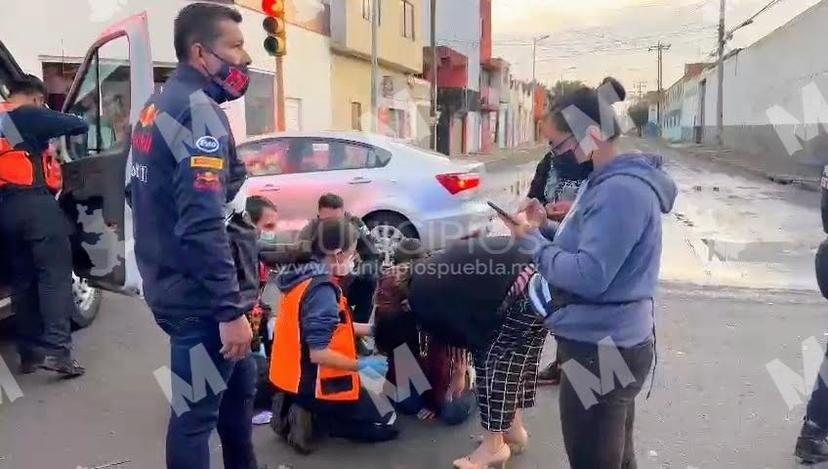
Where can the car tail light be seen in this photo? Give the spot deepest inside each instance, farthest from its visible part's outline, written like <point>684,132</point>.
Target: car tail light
<point>459,182</point>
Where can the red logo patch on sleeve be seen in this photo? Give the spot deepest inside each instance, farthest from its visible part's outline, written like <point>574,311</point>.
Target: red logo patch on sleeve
<point>207,181</point>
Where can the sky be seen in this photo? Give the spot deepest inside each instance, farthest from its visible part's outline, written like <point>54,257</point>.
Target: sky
<point>591,39</point>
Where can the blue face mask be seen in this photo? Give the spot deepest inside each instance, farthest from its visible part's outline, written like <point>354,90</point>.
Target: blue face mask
<point>228,83</point>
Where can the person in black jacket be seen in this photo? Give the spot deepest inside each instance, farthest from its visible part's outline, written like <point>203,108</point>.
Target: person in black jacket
<point>199,265</point>
<point>557,179</point>
<point>34,229</point>
<point>812,444</point>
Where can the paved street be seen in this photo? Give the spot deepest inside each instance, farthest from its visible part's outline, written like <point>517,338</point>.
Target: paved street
<point>738,293</point>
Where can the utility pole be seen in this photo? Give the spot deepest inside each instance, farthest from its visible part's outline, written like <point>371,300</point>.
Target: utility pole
<point>375,9</point>
<point>434,75</point>
<point>720,70</point>
<point>660,48</point>
<point>640,86</point>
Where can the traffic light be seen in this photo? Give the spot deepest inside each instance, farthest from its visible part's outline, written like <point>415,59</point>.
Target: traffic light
<point>274,25</point>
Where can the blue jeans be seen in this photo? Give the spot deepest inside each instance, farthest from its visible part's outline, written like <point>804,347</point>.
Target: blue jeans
<point>199,406</point>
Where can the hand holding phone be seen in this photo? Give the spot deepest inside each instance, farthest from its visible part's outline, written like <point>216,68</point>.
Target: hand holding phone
<point>506,216</point>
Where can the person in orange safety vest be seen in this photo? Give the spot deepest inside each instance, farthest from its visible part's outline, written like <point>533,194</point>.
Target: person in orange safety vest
<point>314,360</point>
<point>34,230</point>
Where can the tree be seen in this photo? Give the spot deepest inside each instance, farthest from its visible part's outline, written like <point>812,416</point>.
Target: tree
<point>568,87</point>
<point>640,114</point>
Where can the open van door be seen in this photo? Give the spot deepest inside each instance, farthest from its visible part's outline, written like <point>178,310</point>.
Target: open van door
<point>109,91</point>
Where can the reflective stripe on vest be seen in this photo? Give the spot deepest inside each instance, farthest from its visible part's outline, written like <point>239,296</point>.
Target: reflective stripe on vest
<point>286,359</point>
<point>17,167</point>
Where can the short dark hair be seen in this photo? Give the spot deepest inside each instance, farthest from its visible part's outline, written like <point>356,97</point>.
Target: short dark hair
<point>332,236</point>
<point>331,201</point>
<point>198,22</point>
<point>256,205</point>
<point>29,85</point>
<point>595,103</point>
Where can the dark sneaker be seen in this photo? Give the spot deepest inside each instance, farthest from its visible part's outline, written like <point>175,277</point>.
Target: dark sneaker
<point>300,435</point>
<point>551,375</point>
<point>29,362</point>
<point>67,367</point>
<point>29,366</point>
<point>811,446</point>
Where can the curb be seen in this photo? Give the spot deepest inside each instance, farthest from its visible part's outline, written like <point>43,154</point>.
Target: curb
<point>812,185</point>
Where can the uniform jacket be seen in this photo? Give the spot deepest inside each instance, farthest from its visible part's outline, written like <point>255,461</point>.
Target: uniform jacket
<point>184,171</point>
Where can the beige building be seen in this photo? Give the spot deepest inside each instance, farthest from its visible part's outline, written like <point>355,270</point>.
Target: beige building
<point>404,98</point>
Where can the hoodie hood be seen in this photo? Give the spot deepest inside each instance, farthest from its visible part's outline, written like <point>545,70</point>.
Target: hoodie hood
<point>647,168</point>
<point>295,274</point>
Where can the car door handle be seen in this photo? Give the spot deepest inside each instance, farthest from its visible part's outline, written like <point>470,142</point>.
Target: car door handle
<point>270,188</point>
<point>359,180</point>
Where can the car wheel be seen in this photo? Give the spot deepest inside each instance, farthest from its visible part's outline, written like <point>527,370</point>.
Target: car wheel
<point>389,229</point>
<point>87,302</point>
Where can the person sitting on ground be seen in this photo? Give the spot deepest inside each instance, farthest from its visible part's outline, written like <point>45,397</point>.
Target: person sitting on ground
<point>359,286</point>
<point>445,368</point>
<point>487,312</point>
<point>317,369</point>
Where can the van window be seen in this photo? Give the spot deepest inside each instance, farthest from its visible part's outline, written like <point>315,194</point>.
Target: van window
<point>103,101</point>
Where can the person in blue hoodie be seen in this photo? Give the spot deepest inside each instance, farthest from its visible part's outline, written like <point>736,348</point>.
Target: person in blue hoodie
<point>597,278</point>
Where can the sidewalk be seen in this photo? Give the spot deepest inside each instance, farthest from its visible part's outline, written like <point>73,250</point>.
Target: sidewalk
<point>747,162</point>
<point>524,153</point>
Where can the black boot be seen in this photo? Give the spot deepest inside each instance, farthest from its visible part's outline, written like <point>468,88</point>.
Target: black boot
<point>811,446</point>
<point>300,432</point>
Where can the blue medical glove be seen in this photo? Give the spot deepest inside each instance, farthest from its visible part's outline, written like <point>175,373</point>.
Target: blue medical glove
<point>375,366</point>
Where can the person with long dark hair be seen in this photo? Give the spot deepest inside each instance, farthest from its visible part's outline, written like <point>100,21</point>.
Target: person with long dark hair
<point>473,296</point>
<point>597,278</point>
<point>555,184</point>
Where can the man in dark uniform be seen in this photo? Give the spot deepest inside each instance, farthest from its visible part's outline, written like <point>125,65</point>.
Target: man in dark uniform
<point>184,173</point>
<point>812,444</point>
<point>34,230</point>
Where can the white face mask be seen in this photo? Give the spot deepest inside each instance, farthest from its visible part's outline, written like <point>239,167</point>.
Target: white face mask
<point>268,236</point>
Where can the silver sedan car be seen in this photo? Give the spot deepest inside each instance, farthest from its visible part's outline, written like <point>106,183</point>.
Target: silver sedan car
<point>398,190</point>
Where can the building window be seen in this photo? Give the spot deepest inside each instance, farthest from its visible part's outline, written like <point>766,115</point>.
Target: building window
<point>366,10</point>
<point>408,19</point>
<point>356,115</point>
<point>259,104</point>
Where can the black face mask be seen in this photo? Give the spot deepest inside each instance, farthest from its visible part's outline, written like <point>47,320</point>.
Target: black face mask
<point>567,166</point>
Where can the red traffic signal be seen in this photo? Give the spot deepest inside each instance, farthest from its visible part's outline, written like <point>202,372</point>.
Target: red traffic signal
<point>273,7</point>
<point>274,25</point>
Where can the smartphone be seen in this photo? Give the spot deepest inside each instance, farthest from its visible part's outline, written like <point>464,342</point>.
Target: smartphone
<point>503,213</point>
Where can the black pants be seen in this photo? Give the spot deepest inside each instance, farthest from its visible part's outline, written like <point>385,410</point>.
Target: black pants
<point>361,420</point>
<point>35,237</point>
<point>597,418</point>
<point>817,411</point>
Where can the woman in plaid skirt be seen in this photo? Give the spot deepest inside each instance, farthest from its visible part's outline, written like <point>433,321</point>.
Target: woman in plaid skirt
<point>473,296</point>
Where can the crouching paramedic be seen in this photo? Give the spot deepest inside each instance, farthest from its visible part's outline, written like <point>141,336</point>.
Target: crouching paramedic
<point>34,230</point>
<point>314,353</point>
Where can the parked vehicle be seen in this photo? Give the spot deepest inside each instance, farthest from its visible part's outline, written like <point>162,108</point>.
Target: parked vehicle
<point>398,190</point>
<point>113,82</point>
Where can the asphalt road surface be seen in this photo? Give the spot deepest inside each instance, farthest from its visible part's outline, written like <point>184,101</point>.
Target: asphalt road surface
<point>738,295</point>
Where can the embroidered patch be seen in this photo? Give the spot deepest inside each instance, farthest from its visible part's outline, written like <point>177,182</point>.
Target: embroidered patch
<point>207,144</point>
<point>207,181</point>
<point>148,115</point>
<point>207,162</point>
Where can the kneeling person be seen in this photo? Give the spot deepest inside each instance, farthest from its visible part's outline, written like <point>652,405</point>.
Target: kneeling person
<point>315,361</point>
